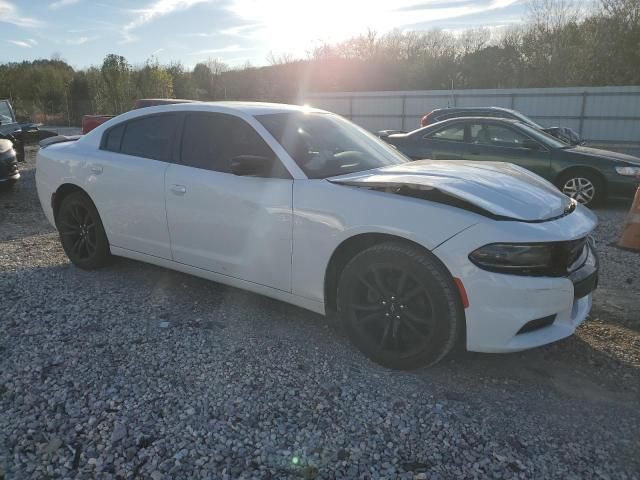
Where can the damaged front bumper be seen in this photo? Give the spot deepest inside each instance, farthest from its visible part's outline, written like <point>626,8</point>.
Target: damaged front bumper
<point>509,313</point>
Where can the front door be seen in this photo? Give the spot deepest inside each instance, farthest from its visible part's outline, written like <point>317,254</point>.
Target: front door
<point>234,225</point>
<point>500,143</point>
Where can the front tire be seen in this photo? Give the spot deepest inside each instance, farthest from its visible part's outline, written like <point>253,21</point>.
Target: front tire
<point>583,186</point>
<point>399,306</point>
<point>81,232</point>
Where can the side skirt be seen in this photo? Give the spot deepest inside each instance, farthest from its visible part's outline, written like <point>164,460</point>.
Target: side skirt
<point>302,302</point>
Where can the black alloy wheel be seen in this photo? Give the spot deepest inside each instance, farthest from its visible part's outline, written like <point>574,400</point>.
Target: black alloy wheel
<point>400,306</point>
<point>81,232</point>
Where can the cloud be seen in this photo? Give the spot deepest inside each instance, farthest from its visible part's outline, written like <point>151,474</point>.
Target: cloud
<point>157,9</point>
<point>29,43</point>
<point>240,30</point>
<point>9,14</point>
<point>310,22</point>
<point>80,40</point>
<point>62,3</point>
<point>227,49</point>
<point>435,4</point>
<point>197,35</point>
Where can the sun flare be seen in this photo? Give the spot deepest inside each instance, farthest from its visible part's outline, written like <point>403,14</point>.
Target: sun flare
<point>297,25</point>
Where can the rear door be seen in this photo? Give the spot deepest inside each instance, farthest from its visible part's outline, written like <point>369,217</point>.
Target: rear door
<point>446,143</point>
<point>240,226</point>
<point>126,182</point>
<point>504,143</point>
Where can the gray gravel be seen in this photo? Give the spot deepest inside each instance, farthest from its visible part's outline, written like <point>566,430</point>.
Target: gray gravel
<point>134,371</point>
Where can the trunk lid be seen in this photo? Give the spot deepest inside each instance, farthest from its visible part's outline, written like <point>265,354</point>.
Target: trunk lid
<point>58,139</point>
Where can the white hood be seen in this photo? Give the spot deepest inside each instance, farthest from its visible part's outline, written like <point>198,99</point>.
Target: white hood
<point>502,189</point>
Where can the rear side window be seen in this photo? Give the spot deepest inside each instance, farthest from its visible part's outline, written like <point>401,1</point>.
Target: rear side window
<point>150,137</point>
<point>113,139</point>
<point>496,135</point>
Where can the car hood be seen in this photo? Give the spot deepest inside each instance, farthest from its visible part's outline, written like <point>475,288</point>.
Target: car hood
<point>501,189</point>
<point>603,154</point>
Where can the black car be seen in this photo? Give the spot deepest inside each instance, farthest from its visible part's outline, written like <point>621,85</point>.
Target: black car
<point>19,134</point>
<point>585,174</point>
<point>565,134</point>
<point>9,174</point>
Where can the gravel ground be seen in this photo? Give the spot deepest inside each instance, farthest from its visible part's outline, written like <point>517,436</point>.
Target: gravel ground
<point>134,371</point>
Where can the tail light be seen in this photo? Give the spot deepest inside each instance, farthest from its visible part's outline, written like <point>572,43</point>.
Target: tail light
<point>425,120</point>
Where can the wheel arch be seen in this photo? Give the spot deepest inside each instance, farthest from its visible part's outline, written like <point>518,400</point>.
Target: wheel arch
<point>583,168</point>
<point>349,248</point>
<point>61,193</point>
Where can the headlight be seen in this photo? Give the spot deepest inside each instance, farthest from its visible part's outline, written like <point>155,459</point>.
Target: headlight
<point>515,258</point>
<point>552,259</point>
<point>629,171</point>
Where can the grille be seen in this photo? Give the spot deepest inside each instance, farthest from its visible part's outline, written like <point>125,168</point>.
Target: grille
<point>574,250</point>
<point>537,324</point>
<point>567,254</point>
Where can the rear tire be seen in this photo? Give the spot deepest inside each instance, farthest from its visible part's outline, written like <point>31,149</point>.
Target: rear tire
<point>583,186</point>
<point>81,232</point>
<point>399,306</point>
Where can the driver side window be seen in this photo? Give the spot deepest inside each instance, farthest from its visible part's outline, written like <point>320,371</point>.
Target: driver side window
<point>211,141</point>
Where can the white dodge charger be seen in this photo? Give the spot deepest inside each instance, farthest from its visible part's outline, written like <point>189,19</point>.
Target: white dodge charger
<point>303,206</point>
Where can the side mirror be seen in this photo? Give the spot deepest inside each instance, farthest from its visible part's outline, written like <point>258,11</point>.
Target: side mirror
<point>251,166</point>
<point>530,144</point>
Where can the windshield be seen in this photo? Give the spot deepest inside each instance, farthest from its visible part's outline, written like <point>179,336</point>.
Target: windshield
<point>6,115</point>
<point>549,140</point>
<point>325,145</point>
<point>525,119</point>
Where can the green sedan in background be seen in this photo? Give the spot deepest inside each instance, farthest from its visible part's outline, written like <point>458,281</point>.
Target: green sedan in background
<point>586,174</point>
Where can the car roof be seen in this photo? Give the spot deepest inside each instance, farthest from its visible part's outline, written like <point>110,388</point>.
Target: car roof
<point>475,119</point>
<point>250,108</point>
<point>474,109</point>
<point>442,123</point>
<point>241,109</point>
<point>152,102</point>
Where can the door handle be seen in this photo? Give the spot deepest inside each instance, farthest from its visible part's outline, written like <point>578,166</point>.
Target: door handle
<point>475,152</point>
<point>178,189</point>
<point>97,169</point>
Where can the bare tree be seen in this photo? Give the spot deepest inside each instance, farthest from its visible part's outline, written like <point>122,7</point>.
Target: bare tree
<point>364,46</point>
<point>280,59</point>
<point>627,11</point>
<point>552,15</point>
<point>216,66</point>
<point>474,40</point>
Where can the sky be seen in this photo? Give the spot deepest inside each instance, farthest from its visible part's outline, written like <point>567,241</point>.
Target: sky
<point>82,32</point>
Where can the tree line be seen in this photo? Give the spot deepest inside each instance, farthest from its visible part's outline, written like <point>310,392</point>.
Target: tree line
<point>561,43</point>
